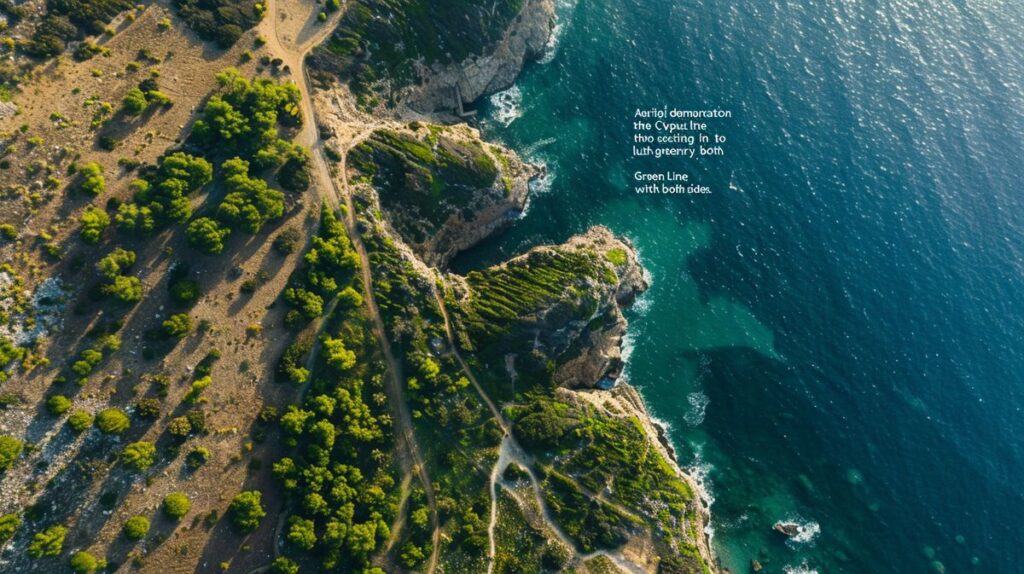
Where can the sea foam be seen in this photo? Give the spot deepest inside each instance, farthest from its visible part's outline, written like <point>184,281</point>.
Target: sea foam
<point>508,105</point>
<point>563,16</point>
<point>698,406</point>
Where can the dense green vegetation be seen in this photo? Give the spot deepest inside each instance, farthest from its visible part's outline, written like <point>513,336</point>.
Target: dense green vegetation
<point>249,202</point>
<point>584,451</point>
<point>207,235</point>
<point>241,123</point>
<point>221,21</point>
<point>161,194</point>
<point>458,432</point>
<point>328,269</point>
<point>67,20</point>
<point>424,177</point>
<point>247,511</point>
<point>340,473</point>
<point>244,119</point>
<point>383,38</point>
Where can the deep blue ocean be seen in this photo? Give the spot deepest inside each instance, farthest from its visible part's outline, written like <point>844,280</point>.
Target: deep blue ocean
<point>836,334</point>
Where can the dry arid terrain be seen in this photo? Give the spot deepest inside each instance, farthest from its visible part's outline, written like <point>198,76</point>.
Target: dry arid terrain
<point>229,339</point>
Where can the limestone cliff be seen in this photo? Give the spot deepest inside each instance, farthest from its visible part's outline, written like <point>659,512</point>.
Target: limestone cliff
<point>599,343</point>
<point>434,56</point>
<point>442,85</point>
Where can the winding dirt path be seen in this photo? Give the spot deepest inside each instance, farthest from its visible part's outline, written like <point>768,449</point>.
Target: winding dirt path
<point>510,451</point>
<point>294,56</point>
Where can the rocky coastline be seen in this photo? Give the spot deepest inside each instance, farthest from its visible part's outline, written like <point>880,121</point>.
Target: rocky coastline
<point>448,87</point>
<point>593,374</point>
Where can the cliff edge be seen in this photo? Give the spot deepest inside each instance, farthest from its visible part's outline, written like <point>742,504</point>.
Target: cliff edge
<point>431,57</point>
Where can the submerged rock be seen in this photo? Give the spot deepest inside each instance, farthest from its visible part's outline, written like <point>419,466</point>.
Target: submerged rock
<point>787,529</point>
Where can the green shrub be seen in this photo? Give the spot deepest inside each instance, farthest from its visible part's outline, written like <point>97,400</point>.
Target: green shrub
<point>197,457</point>
<point>411,555</point>
<point>337,355</point>
<point>112,421</point>
<point>10,450</point>
<point>134,102</point>
<point>115,263</point>
<point>179,427</point>
<point>184,291</point>
<point>136,527</point>
<point>49,542</point>
<point>92,178</point>
<point>176,505</point>
<point>287,241</point>
<point>349,298</point>
<point>198,386</point>
<point>177,326</point>
<point>139,455</point>
<point>294,174</point>
<point>58,405</point>
<point>309,303</point>
<point>282,565</point>
<point>207,235</point>
<point>301,532</point>
<point>94,222</point>
<point>147,408</point>
<point>85,563</point>
<point>247,510</point>
<point>9,524</point>
<point>126,289</point>
<point>79,421</point>
<point>158,98</point>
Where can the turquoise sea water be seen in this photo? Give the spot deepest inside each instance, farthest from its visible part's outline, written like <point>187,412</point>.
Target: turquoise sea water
<point>836,334</point>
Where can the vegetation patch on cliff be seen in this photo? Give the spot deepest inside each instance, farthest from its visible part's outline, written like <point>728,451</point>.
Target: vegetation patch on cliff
<point>538,282</point>
<point>424,175</point>
<point>380,39</point>
<point>603,478</point>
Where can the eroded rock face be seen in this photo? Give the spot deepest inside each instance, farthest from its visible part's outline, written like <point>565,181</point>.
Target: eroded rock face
<point>599,359</point>
<point>494,209</point>
<point>477,76</point>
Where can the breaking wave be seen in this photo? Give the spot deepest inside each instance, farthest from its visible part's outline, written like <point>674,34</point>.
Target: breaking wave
<point>508,105</point>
